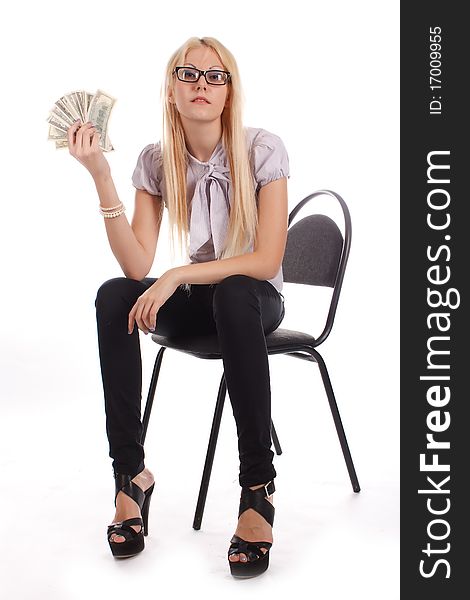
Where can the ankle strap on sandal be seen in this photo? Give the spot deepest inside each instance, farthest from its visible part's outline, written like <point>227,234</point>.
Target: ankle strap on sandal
<point>256,499</point>
<point>266,490</point>
<point>125,484</point>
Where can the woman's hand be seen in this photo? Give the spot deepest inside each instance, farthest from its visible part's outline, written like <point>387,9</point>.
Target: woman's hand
<point>83,145</point>
<point>144,311</point>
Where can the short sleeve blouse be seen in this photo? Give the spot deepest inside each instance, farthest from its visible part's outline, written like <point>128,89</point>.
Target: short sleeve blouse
<point>268,157</point>
<point>208,185</point>
<point>148,172</point>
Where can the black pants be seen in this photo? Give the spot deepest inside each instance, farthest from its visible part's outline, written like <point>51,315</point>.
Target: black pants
<point>241,310</point>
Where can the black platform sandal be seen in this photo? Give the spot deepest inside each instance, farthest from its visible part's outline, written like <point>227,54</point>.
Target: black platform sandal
<point>257,560</point>
<point>134,540</point>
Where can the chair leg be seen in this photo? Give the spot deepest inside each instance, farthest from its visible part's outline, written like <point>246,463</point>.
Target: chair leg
<point>151,393</point>
<point>201,501</point>
<point>337,420</point>
<point>276,443</point>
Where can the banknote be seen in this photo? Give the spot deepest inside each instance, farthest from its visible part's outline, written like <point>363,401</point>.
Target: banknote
<point>84,106</point>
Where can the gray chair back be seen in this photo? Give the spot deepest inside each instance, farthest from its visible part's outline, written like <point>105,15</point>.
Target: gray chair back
<point>317,253</point>
<point>313,251</point>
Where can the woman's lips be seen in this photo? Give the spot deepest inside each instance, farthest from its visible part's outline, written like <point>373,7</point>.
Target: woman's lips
<point>200,101</point>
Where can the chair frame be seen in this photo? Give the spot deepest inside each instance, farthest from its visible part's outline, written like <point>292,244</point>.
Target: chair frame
<point>304,351</point>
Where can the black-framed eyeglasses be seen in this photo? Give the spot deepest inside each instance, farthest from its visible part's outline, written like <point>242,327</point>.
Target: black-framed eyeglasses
<point>192,75</point>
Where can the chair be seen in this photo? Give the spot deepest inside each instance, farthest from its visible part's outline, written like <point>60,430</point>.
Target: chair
<point>316,254</point>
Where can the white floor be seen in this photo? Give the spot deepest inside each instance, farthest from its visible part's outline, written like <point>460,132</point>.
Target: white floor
<point>57,489</point>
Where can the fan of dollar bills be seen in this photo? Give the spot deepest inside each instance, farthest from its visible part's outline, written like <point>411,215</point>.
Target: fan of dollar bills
<point>86,107</point>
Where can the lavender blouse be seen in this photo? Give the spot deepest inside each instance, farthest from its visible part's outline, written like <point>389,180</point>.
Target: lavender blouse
<point>208,185</point>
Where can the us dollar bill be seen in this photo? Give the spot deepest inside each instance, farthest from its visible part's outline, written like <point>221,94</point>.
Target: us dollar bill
<point>85,106</point>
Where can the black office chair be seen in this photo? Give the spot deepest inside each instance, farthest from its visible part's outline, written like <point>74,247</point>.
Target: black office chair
<point>316,254</point>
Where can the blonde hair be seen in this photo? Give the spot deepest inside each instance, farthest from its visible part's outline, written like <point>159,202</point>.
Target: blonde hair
<point>243,212</point>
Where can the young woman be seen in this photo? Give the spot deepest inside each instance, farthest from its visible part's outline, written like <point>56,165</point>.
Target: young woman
<point>225,188</point>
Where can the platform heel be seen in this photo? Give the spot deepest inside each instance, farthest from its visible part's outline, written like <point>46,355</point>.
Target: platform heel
<point>134,540</point>
<point>257,560</point>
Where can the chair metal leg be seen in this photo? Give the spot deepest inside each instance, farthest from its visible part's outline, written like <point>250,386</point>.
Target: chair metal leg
<point>276,443</point>
<point>201,501</point>
<point>337,420</point>
<point>151,393</point>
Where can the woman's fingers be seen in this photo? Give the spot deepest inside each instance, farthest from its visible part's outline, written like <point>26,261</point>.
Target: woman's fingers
<point>80,136</point>
<point>143,319</point>
<point>71,131</point>
<point>131,319</point>
<point>138,320</point>
<point>96,139</point>
<point>130,323</point>
<point>136,315</point>
<point>149,316</point>
<point>84,134</point>
<point>144,314</point>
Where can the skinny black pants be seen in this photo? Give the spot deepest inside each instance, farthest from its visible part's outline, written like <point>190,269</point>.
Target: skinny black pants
<point>241,310</point>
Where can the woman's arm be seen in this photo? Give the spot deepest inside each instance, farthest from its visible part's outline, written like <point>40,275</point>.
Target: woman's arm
<point>266,259</point>
<point>133,246</point>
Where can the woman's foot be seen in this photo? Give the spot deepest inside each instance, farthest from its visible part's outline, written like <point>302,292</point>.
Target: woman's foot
<point>253,527</point>
<point>126,508</point>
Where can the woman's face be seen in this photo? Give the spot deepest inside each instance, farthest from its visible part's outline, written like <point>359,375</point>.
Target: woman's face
<point>217,96</point>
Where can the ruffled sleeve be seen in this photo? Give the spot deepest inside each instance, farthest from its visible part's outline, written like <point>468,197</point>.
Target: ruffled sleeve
<point>269,158</point>
<point>148,171</point>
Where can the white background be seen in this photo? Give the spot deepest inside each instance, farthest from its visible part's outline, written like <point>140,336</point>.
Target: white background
<point>324,77</point>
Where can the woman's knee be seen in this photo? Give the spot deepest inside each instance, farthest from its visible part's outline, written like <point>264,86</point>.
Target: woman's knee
<point>234,286</point>
<point>113,292</point>
<point>233,294</point>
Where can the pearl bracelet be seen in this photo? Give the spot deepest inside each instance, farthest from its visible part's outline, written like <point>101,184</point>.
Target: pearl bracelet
<point>111,208</point>
<point>110,213</point>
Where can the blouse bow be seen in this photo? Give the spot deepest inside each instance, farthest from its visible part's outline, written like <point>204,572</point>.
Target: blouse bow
<point>210,210</point>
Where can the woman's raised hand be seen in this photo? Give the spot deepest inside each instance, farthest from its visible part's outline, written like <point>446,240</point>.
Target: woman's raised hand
<point>83,145</point>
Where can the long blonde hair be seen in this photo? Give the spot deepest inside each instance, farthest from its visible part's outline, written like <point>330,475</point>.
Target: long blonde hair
<point>243,213</point>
